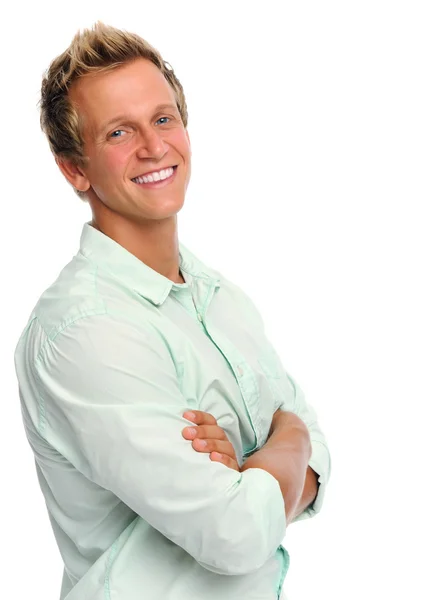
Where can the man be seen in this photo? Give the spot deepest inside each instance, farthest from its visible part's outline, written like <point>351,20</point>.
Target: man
<point>135,334</point>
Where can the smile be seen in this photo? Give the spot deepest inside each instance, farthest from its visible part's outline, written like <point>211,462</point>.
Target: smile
<point>156,176</point>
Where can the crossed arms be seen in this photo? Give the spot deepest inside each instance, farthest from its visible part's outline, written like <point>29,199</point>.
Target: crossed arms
<point>112,419</point>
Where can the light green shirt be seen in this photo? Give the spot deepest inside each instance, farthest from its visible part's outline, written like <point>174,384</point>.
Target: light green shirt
<point>112,355</point>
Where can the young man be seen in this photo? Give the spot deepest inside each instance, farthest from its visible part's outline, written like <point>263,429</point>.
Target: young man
<point>135,332</point>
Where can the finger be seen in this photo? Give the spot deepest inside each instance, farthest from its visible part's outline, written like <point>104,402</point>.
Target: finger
<point>200,417</point>
<point>226,460</point>
<point>214,446</point>
<point>205,432</point>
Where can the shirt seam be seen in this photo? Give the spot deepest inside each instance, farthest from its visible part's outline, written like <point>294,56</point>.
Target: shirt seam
<point>65,324</point>
<point>111,557</point>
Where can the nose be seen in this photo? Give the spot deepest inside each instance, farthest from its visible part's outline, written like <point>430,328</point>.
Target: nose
<point>150,144</point>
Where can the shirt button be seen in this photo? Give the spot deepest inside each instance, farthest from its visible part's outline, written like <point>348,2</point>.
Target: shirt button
<point>239,370</point>
<point>200,318</point>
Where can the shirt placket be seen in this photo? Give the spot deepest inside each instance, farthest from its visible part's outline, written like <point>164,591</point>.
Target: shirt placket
<point>243,374</point>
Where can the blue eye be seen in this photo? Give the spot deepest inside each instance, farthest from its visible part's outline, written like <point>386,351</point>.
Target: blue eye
<point>115,131</point>
<point>163,118</point>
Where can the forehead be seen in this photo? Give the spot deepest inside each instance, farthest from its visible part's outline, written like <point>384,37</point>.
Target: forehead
<point>133,87</point>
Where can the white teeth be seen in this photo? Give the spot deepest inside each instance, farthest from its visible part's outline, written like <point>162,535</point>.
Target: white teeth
<point>156,176</point>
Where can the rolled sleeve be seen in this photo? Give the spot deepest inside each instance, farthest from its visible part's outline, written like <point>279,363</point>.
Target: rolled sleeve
<point>320,460</point>
<point>110,403</point>
<point>268,520</point>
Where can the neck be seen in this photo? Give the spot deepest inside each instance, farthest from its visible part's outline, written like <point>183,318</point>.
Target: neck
<point>154,242</point>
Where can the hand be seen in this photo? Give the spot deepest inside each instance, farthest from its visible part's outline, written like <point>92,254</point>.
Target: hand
<point>218,444</point>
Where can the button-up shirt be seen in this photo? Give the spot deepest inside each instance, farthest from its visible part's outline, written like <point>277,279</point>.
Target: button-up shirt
<point>111,357</point>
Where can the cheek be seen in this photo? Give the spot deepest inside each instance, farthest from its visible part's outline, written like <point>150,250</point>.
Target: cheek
<point>115,160</point>
<point>180,141</point>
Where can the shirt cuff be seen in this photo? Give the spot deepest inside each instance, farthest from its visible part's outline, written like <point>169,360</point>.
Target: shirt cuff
<point>257,532</point>
<point>320,462</point>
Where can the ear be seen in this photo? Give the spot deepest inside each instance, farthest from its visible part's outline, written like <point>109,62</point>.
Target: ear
<point>74,174</point>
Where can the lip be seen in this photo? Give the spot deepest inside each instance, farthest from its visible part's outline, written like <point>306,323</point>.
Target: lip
<point>161,183</point>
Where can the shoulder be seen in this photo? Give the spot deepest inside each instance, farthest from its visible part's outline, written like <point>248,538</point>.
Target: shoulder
<point>83,303</point>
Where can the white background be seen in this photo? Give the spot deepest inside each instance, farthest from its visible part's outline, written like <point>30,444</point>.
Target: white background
<point>314,130</point>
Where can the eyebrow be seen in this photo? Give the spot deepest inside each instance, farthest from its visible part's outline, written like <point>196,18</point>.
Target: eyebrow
<point>124,117</point>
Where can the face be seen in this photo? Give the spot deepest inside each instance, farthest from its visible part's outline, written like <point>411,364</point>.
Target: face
<point>131,126</point>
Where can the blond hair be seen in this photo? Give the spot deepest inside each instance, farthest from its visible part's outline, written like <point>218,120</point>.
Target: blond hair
<point>95,50</point>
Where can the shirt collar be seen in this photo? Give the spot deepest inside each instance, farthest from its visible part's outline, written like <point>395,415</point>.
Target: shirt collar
<point>109,255</point>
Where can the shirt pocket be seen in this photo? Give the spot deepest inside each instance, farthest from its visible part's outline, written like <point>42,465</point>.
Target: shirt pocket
<point>272,368</point>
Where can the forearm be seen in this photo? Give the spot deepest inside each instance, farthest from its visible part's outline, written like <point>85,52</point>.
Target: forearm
<point>285,456</point>
<point>309,493</point>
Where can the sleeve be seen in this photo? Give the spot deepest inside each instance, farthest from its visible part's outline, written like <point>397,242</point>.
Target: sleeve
<point>320,460</point>
<point>111,404</point>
